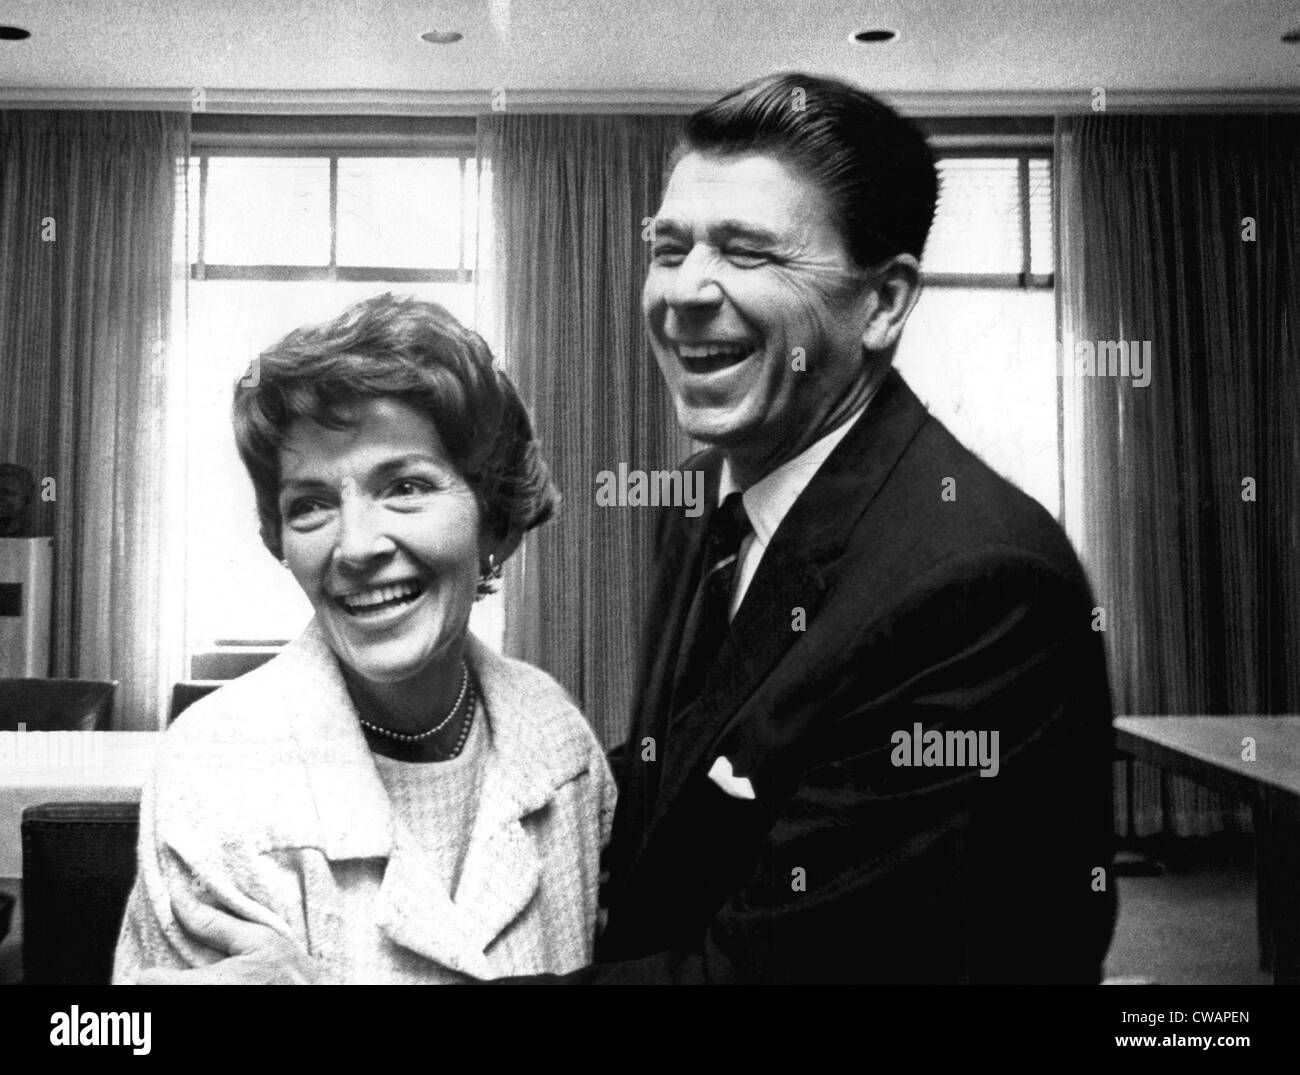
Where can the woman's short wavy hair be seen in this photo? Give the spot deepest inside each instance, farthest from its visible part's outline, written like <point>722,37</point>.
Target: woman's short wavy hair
<point>398,347</point>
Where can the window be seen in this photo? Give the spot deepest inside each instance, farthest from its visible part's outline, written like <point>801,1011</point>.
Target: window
<point>282,236</point>
<point>980,347</point>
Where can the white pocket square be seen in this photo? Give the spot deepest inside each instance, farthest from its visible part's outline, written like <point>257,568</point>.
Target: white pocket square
<point>738,787</point>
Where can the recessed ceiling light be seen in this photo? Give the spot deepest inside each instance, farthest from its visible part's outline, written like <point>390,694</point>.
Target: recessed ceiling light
<point>873,37</point>
<point>14,33</point>
<point>442,37</point>
<point>1292,37</point>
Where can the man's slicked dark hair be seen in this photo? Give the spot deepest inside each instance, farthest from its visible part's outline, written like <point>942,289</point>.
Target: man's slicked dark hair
<point>874,166</point>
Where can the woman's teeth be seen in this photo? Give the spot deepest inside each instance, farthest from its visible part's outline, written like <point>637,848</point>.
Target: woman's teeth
<point>381,597</point>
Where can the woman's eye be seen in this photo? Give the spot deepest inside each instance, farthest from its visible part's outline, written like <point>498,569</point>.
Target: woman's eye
<point>304,511</point>
<point>408,487</point>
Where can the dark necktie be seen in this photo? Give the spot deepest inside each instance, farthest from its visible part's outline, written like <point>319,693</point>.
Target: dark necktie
<point>708,622</point>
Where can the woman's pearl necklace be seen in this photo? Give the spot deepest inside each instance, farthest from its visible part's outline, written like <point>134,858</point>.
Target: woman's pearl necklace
<point>460,697</point>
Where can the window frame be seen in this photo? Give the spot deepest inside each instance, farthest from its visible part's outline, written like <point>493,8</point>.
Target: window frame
<point>1023,148</point>
<point>1024,139</point>
<point>331,137</point>
<point>200,270</point>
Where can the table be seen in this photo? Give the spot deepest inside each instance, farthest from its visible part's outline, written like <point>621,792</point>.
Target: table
<point>1255,759</point>
<point>42,767</point>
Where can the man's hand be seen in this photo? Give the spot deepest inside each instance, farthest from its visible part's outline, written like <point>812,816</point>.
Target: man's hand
<point>255,954</point>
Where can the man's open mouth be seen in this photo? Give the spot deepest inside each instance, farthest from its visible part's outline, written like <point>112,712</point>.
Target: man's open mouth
<point>381,598</point>
<point>710,357</point>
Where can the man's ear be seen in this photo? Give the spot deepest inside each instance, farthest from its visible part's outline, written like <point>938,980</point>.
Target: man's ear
<point>895,291</point>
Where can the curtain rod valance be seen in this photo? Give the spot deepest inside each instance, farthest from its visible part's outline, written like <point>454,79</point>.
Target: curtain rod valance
<point>332,132</point>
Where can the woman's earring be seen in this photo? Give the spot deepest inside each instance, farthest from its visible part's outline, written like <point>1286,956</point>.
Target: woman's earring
<point>488,577</point>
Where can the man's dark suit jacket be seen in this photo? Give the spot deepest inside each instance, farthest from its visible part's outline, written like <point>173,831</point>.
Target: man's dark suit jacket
<point>966,614</point>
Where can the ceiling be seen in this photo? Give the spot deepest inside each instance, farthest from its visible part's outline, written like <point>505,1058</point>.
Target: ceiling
<point>108,51</point>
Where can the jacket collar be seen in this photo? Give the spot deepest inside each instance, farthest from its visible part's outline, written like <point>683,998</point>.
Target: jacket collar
<point>533,748</point>
<point>769,500</point>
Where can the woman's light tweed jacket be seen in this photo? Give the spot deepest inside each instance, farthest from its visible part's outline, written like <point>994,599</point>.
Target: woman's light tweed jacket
<point>265,791</point>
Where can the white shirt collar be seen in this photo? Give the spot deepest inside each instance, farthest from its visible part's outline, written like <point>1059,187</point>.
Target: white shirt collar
<point>770,499</point>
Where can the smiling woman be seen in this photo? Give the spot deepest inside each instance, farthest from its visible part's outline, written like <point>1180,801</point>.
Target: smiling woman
<point>389,798</point>
<point>385,538</point>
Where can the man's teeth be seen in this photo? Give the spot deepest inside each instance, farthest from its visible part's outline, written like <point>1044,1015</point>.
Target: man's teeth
<point>713,350</point>
<point>381,595</point>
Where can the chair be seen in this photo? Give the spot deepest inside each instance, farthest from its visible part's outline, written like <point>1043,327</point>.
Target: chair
<point>187,692</point>
<point>79,863</point>
<point>57,705</point>
<point>6,913</point>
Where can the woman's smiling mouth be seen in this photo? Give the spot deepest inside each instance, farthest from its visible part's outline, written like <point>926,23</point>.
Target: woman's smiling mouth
<point>374,602</point>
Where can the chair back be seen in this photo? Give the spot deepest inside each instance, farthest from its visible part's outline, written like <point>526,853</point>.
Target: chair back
<point>6,913</point>
<point>187,692</point>
<point>57,705</point>
<point>79,864</point>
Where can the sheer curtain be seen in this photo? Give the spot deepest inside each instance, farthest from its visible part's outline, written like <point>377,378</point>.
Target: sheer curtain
<point>570,195</point>
<point>87,212</point>
<point>1184,495</point>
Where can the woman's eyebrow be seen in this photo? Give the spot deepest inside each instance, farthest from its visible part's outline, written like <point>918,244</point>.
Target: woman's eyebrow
<point>382,471</point>
<point>288,485</point>
<point>390,467</point>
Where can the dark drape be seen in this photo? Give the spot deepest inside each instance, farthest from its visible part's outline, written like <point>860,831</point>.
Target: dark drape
<point>571,199</point>
<point>1184,494</point>
<point>87,216</point>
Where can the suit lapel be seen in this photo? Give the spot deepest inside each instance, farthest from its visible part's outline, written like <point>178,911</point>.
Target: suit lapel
<point>795,573</point>
<point>680,566</point>
<point>679,553</point>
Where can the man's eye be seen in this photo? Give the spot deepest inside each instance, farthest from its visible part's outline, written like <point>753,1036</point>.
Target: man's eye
<point>745,256</point>
<point>665,254</point>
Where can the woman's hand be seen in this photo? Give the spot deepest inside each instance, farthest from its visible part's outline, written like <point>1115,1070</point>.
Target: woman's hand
<point>254,954</point>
